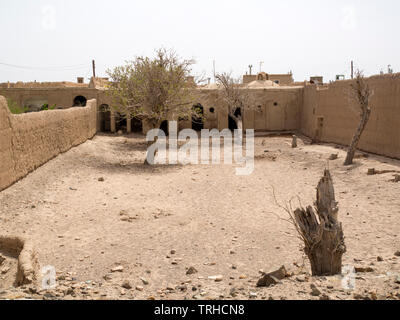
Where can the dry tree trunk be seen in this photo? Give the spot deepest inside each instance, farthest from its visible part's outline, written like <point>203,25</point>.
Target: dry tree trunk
<point>356,138</point>
<point>322,233</point>
<point>361,94</point>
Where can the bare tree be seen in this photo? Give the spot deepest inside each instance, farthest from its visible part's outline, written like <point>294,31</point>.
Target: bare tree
<point>153,89</point>
<point>360,93</point>
<point>235,96</point>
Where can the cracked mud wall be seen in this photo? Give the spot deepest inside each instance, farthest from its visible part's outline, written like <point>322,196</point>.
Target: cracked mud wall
<point>29,140</point>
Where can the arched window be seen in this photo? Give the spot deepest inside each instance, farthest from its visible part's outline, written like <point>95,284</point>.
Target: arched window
<point>80,101</point>
<point>197,118</point>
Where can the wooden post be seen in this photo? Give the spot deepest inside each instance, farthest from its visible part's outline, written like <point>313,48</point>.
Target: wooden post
<point>294,141</point>
<point>321,231</point>
<point>352,69</point>
<point>94,69</point>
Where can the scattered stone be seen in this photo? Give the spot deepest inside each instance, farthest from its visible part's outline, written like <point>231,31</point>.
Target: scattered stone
<point>5,269</point>
<point>191,270</point>
<point>301,278</point>
<point>242,277</point>
<point>234,267</point>
<point>364,269</point>
<point>182,288</point>
<point>173,251</point>
<point>272,278</point>
<point>217,278</point>
<point>324,297</point>
<point>145,282</point>
<point>358,296</point>
<point>379,259</point>
<point>253,294</point>
<point>233,292</point>
<point>101,179</point>
<point>397,253</point>
<point>126,284</point>
<point>333,156</point>
<point>314,290</point>
<point>396,178</point>
<point>397,280</point>
<point>139,288</point>
<point>117,269</point>
<point>2,259</point>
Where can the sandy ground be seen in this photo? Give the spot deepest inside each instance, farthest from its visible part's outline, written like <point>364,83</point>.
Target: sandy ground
<point>156,222</point>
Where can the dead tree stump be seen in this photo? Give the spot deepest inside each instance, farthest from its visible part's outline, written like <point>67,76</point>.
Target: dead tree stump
<point>321,231</point>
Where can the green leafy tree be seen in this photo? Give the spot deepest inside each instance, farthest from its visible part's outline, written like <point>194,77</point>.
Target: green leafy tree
<point>153,89</point>
<point>15,108</point>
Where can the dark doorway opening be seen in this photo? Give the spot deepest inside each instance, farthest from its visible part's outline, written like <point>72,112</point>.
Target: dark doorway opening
<point>238,112</point>
<point>197,119</point>
<point>232,123</point>
<point>164,127</point>
<point>105,118</point>
<point>80,101</point>
<point>136,125</point>
<point>120,122</point>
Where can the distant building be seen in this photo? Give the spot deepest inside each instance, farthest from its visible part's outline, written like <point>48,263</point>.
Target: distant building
<point>280,79</point>
<point>317,80</point>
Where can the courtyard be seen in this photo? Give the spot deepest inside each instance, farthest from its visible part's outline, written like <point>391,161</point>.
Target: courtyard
<point>115,228</point>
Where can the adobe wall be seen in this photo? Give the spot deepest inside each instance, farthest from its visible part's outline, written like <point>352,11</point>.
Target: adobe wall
<point>272,109</point>
<point>29,140</point>
<point>340,118</point>
<point>62,97</point>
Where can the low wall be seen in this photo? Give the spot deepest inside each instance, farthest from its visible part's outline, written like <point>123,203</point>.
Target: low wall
<point>29,140</point>
<point>339,118</point>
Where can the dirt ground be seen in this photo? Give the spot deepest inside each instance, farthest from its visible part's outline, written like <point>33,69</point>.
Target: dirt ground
<point>97,207</point>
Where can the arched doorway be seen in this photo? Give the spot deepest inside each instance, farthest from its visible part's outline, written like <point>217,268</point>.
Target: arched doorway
<point>197,119</point>
<point>232,123</point>
<point>164,127</point>
<point>80,101</point>
<point>120,122</point>
<point>136,125</point>
<point>105,118</point>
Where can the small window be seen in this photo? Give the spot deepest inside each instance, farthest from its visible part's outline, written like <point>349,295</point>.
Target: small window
<point>275,104</point>
<point>212,110</point>
<point>276,81</point>
<point>80,101</point>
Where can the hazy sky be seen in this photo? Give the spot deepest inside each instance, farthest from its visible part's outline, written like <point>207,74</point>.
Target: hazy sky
<point>57,39</point>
